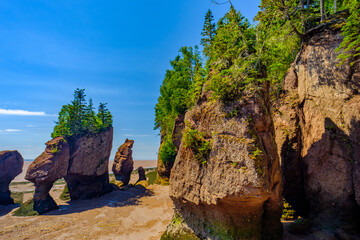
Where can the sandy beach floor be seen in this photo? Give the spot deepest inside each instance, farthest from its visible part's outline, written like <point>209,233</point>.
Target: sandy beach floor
<point>132,214</point>
<point>137,163</point>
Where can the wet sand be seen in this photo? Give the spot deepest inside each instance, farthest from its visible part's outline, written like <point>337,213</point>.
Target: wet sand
<point>137,163</point>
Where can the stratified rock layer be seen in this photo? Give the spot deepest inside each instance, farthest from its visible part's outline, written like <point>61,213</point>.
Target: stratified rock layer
<point>11,164</point>
<point>318,134</point>
<point>236,192</point>
<point>50,166</point>
<point>123,162</point>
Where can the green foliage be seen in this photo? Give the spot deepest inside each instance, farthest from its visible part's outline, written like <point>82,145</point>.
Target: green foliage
<point>208,33</point>
<point>151,176</point>
<point>235,62</point>
<point>65,195</point>
<point>79,118</point>
<point>167,152</point>
<point>351,32</point>
<point>195,140</point>
<point>25,209</point>
<point>180,90</point>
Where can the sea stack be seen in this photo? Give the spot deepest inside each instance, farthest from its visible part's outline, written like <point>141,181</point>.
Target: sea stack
<point>88,175</point>
<point>11,164</point>
<point>50,166</point>
<point>123,162</point>
<point>82,162</point>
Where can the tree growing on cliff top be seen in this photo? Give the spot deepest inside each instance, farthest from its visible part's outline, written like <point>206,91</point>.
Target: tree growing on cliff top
<point>208,33</point>
<point>180,90</point>
<point>78,118</point>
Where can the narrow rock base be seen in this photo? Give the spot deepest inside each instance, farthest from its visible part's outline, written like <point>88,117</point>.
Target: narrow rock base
<point>87,187</point>
<point>46,205</point>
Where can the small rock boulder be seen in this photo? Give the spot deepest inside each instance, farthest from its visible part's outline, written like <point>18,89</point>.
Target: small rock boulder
<point>11,164</point>
<point>123,162</point>
<point>50,166</point>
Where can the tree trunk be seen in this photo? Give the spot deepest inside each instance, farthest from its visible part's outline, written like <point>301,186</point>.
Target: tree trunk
<point>322,10</point>
<point>335,7</point>
<point>302,4</point>
<point>308,4</point>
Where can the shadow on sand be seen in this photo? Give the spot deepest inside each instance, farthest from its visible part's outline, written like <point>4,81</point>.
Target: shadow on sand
<point>130,197</point>
<point>6,209</point>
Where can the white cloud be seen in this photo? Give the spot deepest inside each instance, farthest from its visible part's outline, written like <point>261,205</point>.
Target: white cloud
<point>10,130</point>
<point>17,112</point>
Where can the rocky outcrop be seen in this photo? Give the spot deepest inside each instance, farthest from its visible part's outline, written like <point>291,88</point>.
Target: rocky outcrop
<point>123,162</point>
<point>317,127</point>
<point>82,162</point>
<point>11,164</point>
<point>88,176</point>
<point>141,172</point>
<point>164,170</point>
<point>50,166</point>
<point>226,180</point>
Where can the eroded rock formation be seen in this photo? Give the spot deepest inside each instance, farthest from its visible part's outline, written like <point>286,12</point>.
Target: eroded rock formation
<point>50,166</point>
<point>317,127</point>
<point>88,176</point>
<point>11,164</point>
<point>141,172</point>
<point>83,162</point>
<point>123,162</point>
<point>233,189</point>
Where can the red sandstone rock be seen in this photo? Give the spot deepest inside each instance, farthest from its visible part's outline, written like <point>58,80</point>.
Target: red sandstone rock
<point>318,133</point>
<point>123,162</point>
<point>11,164</point>
<point>233,190</point>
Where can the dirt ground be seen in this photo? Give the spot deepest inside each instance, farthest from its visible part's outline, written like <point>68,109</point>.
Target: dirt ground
<point>132,214</point>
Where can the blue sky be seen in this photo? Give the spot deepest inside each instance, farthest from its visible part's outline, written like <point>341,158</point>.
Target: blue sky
<point>118,51</point>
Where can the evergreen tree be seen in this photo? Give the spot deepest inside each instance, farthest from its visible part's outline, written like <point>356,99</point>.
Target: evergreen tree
<point>351,33</point>
<point>79,118</point>
<point>208,33</point>
<point>178,92</point>
<point>104,116</point>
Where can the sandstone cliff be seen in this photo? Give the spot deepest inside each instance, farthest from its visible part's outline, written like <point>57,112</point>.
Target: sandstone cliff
<point>226,181</point>
<point>317,125</point>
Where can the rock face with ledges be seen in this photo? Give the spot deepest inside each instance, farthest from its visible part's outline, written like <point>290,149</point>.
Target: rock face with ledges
<point>123,162</point>
<point>317,126</point>
<point>236,191</point>
<point>11,164</point>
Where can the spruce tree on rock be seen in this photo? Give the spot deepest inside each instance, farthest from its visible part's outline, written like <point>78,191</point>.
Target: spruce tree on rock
<point>208,33</point>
